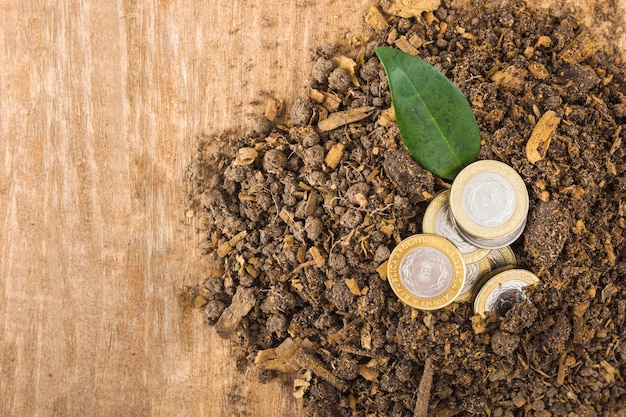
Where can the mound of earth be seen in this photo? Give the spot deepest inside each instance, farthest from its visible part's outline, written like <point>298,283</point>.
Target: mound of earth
<point>300,217</point>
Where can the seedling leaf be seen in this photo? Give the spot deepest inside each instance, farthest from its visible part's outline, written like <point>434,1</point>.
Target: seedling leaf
<point>435,120</point>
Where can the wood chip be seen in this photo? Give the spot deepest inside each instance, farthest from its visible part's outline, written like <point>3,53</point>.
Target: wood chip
<point>317,257</point>
<point>330,101</point>
<point>252,271</point>
<point>308,361</point>
<point>423,391</point>
<point>273,109</point>
<point>607,292</point>
<point>245,197</point>
<point>342,118</point>
<point>301,385</point>
<point>610,252</point>
<point>376,20</point>
<point>416,41</point>
<point>316,96</point>
<point>305,186</point>
<point>543,41</point>
<point>404,45</point>
<point>301,255</point>
<point>218,272</point>
<point>224,249</point>
<point>280,358</point>
<point>393,35</point>
<point>370,374</point>
<point>560,375</point>
<point>372,174</point>
<point>617,143</point>
<point>575,191</point>
<point>245,156</point>
<point>352,286</point>
<point>242,303</point>
<point>238,238</point>
<point>611,372</point>
<point>286,216</point>
<point>539,140</point>
<point>311,204</point>
<point>464,34</point>
<point>478,324</point>
<point>366,337</point>
<point>334,155</point>
<point>349,66</point>
<point>289,241</point>
<point>382,270</point>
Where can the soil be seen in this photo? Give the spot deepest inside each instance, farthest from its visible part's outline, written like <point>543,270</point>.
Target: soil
<point>299,219</point>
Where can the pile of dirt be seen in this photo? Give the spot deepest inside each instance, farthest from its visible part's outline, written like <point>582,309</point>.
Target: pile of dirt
<point>301,215</point>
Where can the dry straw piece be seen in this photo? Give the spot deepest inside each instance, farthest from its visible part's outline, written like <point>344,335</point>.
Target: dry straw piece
<point>334,155</point>
<point>539,140</point>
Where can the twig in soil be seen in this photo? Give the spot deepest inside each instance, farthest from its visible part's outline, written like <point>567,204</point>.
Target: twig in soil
<point>423,391</point>
<point>311,363</point>
<point>560,376</point>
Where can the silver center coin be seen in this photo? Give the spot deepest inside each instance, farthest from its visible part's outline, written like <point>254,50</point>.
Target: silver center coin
<point>426,272</point>
<point>502,298</point>
<point>489,199</point>
<point>496,259</point>
<point>446,227</point>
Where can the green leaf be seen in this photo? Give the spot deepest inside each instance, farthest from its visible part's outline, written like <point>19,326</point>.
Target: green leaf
<point>434,117</point>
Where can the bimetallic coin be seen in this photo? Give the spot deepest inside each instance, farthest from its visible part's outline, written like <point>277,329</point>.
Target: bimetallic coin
<point>486,277</point>
<point>501,257</point>
<point>426,271</point>
<point>438,219</point>
<point>489,202</point>
<point>473,273</point>
<point>503,290</point>
<point>494,243</point>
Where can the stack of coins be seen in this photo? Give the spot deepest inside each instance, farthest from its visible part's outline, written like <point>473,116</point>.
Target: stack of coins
<point>489,203</point>
<point>478,261</point>
<point>467,230</point>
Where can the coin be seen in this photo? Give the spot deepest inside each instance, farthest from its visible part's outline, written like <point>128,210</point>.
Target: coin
<point>495,243</point>
<point>503,290</point>
<point>501,257</point>
<point>438,219</point>
<point>473,273</point>
<point>489,203</point>
<point>426,271</point>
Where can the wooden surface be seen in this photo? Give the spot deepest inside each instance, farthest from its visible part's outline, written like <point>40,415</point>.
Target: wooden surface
<point>100,106</point>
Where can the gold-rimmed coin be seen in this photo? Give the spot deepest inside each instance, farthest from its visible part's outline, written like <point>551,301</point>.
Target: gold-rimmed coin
<point>426,271</point>
<point>503,290</point>
<point>473,273</point>
<point>486,277</point>
<point>438,220</point>
<point>489,202</point>
<point>502,257</point>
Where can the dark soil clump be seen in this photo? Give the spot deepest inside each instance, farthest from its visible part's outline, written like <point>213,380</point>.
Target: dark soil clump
<point>300,221</point>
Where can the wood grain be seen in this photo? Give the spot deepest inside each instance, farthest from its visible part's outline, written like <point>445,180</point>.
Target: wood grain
<point>101,104</point>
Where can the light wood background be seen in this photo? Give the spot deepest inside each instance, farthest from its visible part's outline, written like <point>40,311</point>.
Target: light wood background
<point>101,103</point>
